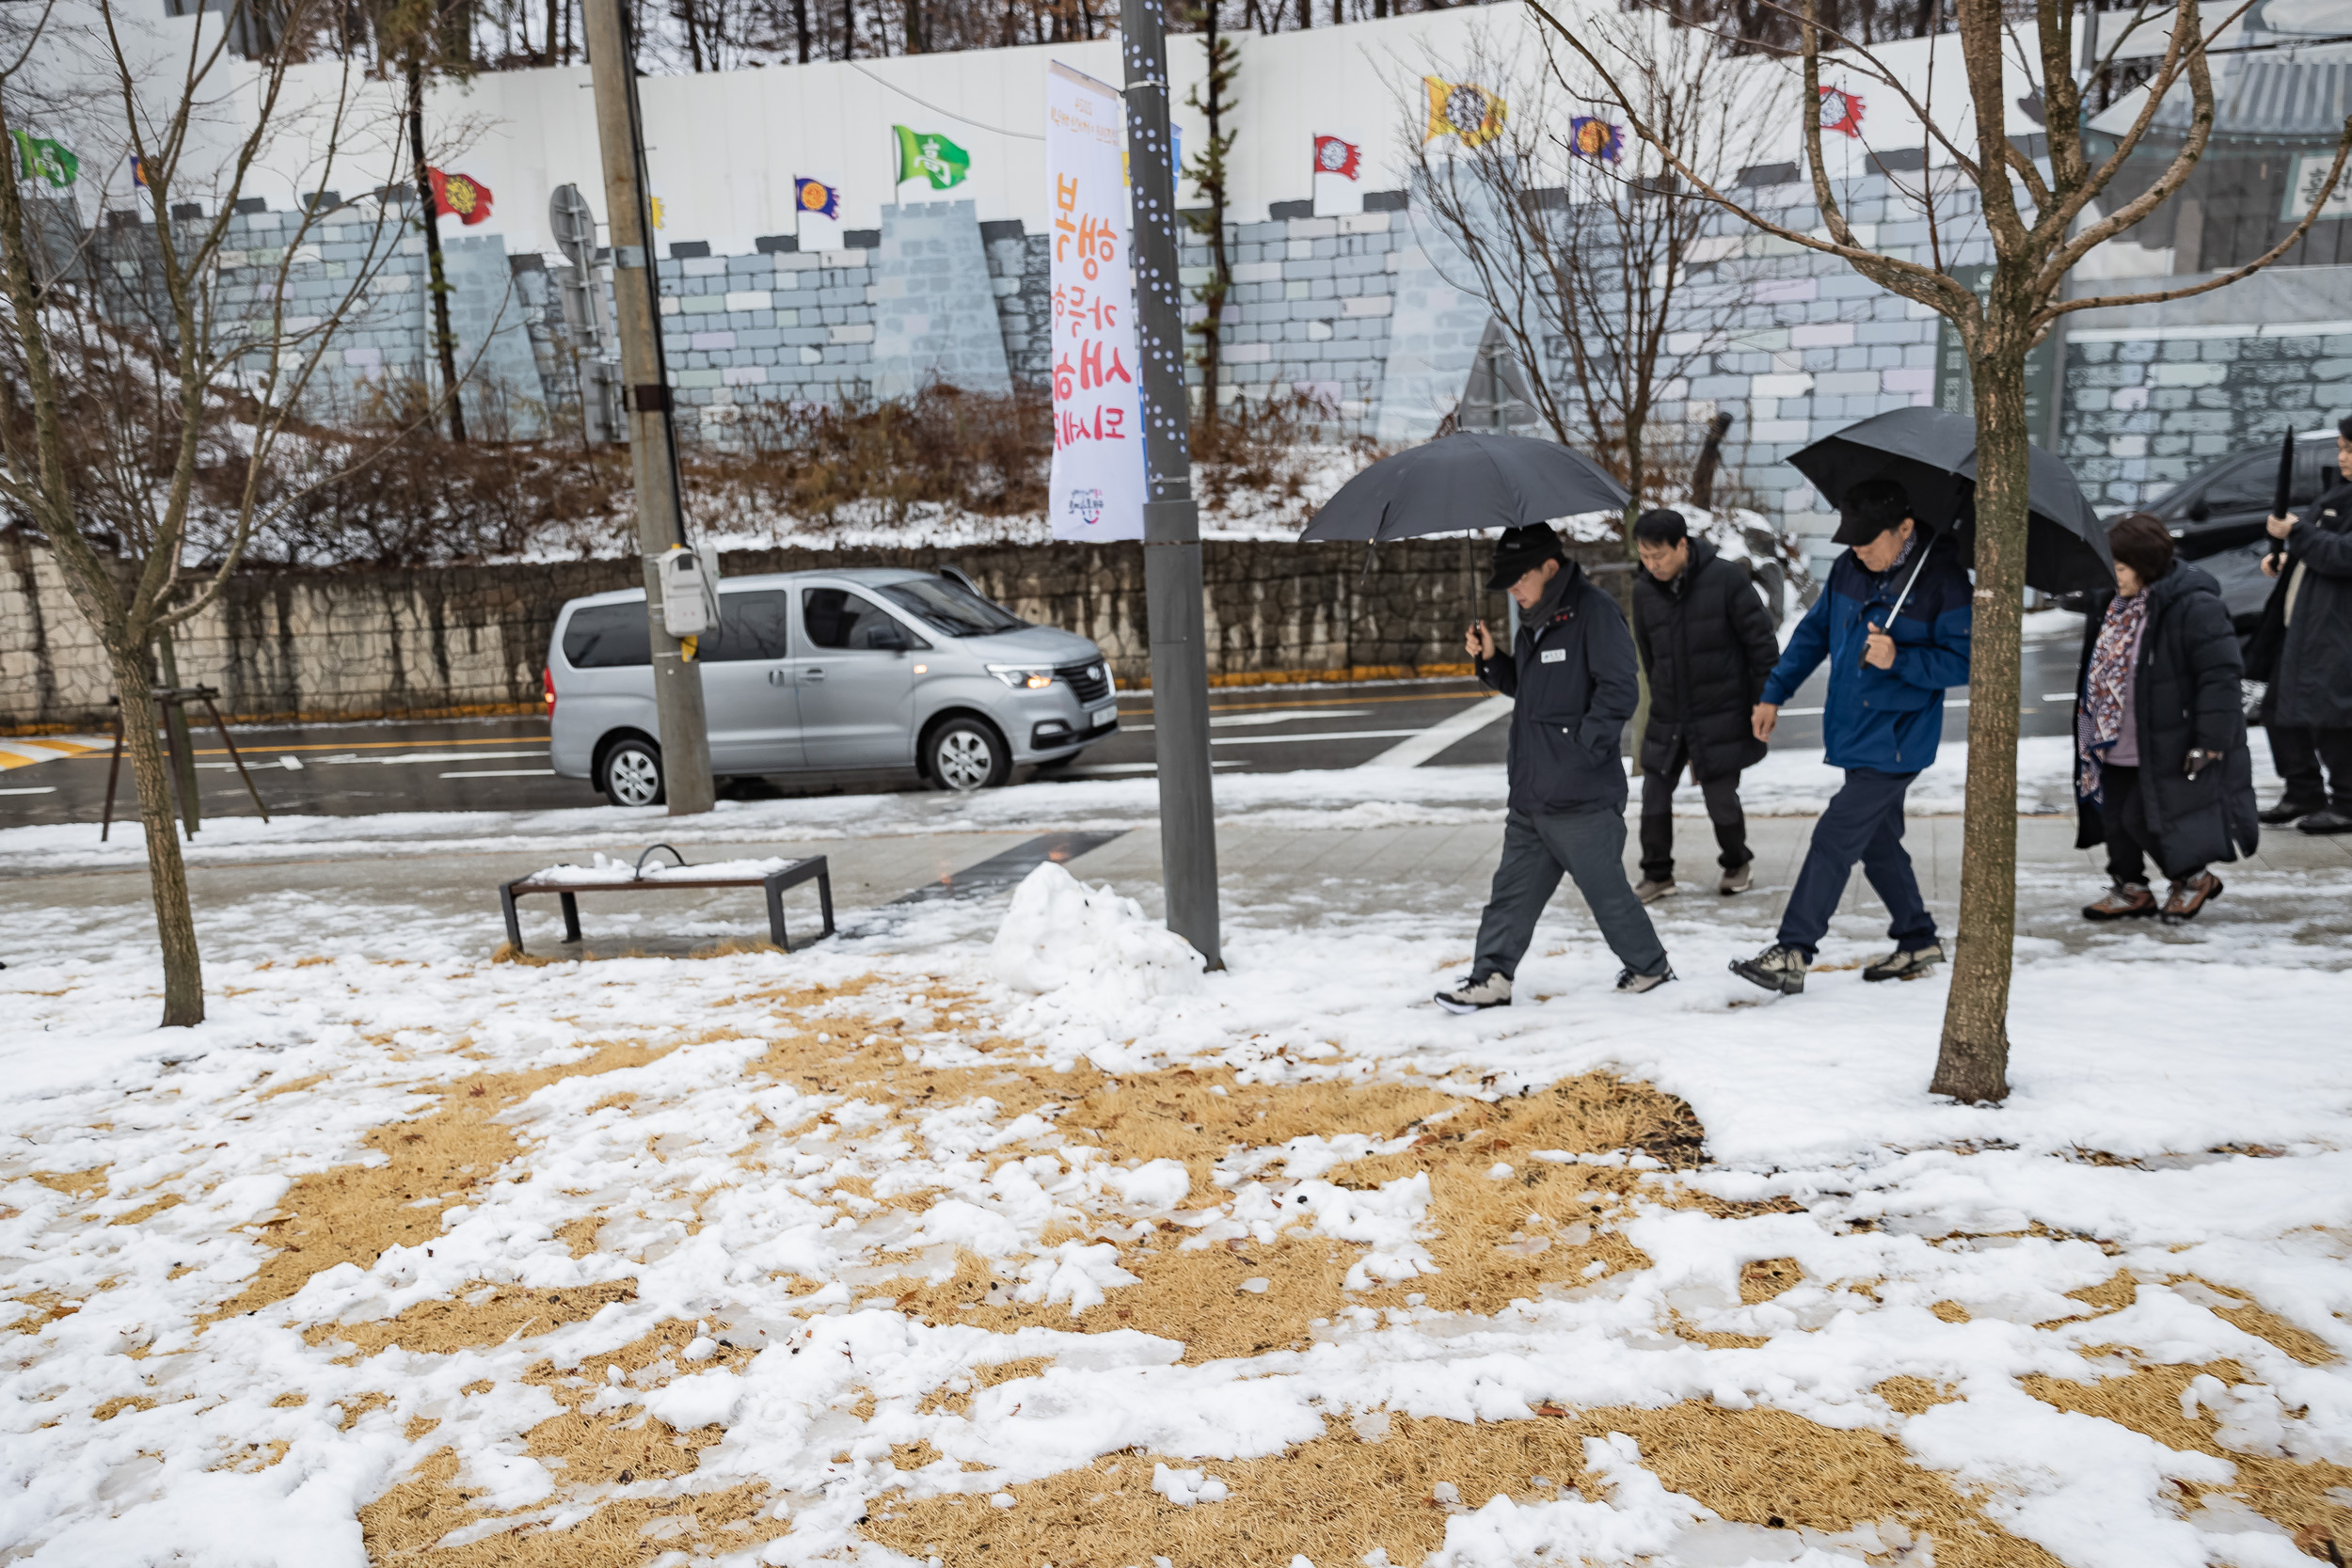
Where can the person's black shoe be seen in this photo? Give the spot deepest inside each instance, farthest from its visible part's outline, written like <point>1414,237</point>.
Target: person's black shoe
<point>2289,810</point>
<point>2325,822</point>
<point>1636,984</point>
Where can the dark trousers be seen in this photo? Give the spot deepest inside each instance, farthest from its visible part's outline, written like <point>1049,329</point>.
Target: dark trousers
<point>2127,848</point>
<point>1657,817</point>
<point>2301,751</point>
<point>1864,822</point>
<point>1587,846</point>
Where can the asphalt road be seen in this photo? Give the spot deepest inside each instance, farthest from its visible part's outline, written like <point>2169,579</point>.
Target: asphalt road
<point>501,764</point>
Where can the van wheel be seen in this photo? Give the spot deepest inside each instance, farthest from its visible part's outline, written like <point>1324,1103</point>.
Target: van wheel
<point>964,754</point>
<point>630,773</point>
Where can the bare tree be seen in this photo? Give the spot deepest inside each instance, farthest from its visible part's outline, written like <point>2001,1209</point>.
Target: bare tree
<point>2040,216</point>
<point>1593,256</point>
<point>1213,95</point>
<point>118,415</point>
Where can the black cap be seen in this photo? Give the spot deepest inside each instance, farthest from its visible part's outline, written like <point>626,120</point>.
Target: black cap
<point>1522,550</point>
<point>1873,507</point>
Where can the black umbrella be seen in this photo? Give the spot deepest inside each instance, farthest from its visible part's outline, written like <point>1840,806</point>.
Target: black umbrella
<point>1468,480</point>
<point>1933,455</point>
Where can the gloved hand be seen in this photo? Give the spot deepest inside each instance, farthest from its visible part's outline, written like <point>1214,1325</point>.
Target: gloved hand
<point>2197,758</point>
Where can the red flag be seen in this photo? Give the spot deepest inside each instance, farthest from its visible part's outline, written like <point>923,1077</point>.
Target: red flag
<point>1840,110</point>
<point>459,196</point>
<point>1334,156</point>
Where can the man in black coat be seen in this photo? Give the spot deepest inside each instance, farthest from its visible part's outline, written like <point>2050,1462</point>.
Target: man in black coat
<point>1707,645</point>
<point>1570,676</point>
<point>2310,702</point>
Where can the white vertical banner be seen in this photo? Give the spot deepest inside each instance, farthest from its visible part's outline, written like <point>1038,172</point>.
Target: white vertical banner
<point>1097,486</point>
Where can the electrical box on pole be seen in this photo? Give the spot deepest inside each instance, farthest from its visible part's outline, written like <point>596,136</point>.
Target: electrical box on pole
<point>678,686</point>
<point>1171,520</point>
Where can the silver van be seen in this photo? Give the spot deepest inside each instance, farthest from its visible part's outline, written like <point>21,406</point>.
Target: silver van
<point>860,671</point>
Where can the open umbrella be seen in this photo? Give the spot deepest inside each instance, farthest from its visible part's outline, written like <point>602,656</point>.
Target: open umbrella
<point>1468,480</point>
<point>1933,455</point>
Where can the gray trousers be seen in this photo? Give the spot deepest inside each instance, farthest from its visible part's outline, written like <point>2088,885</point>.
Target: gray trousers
<point>1587,846</point>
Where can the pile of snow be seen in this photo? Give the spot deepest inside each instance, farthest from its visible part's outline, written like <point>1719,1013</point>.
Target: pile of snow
<point>602,871</point>
<point>1061,933</point>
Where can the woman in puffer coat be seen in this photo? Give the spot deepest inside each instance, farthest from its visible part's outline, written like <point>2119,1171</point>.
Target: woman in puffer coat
<point>2162,767</point>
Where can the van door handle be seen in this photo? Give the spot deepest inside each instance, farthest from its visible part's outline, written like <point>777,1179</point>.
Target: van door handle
<point>811,676</point>
<point>779,677</point>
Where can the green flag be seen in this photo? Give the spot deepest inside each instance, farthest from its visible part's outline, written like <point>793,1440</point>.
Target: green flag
<point>40,157</point>
<point>931,157</point>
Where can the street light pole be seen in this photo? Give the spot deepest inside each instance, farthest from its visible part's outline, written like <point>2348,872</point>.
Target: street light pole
<point>1171,521</point>
<point>677,683</point>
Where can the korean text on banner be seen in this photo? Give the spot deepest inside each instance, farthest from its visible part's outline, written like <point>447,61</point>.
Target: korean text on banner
<point>1097,490</point>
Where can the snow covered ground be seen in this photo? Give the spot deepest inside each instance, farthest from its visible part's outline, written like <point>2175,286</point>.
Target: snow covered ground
<point>1007,1236</point>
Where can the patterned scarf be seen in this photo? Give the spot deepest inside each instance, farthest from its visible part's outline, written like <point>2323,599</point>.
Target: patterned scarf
<point>2099,723</point>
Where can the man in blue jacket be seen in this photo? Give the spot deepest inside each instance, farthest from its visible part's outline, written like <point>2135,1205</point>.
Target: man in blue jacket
<point>1571,680</point>
<point>1888,672</point>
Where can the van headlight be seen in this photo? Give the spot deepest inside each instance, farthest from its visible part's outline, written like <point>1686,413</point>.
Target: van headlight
<point>1022,677</point>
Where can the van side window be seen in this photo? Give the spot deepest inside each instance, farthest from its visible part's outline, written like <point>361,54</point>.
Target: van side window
<point>750,625</point>
<point>2248,487</point>
<point>837,618</point>
<point>608,637</point>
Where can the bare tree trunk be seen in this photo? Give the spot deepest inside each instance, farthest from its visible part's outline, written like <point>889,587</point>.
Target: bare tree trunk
<point>167,873</point>
<point>1972,1061</point>
<point>800,27</point>
<point>437,280</point>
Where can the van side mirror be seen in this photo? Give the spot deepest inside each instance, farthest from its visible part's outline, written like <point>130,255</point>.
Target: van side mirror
<point>890,637</point>
<point>2199,512</point>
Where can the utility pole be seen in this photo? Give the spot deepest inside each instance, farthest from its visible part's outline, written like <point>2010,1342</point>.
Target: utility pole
<point>1171,521</point>
<point>677,684</point>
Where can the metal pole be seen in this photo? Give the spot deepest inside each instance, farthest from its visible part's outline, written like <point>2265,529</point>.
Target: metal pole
<point>1172,522</point>
<point>677,685</point>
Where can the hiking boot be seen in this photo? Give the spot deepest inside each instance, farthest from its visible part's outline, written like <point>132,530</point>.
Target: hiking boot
<point>1636,984</point>
<point>2124,901</point>
<point>2325,822</point>
<point>2191,896</point>
<point>1470,995</point>
<point>1650,890</point>
<point>1738,879</point>
<point>2291,811</point>
<point>1906,963</point>
<point>1777,968</point>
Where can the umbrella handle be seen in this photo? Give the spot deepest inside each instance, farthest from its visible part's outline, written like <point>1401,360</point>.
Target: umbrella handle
<point>1899,600</point>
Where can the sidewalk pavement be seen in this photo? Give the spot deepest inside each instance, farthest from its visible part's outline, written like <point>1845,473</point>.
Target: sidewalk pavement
<point>394,903</point>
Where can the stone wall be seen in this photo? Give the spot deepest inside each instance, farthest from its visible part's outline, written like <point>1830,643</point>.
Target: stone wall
<point>368,643</point>
<point>1360,312</point>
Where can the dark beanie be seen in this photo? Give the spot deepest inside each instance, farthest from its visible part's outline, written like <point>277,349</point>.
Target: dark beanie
<point>1522,550</point>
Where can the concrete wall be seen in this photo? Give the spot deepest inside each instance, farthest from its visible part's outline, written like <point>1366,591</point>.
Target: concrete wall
<point>474,639</point>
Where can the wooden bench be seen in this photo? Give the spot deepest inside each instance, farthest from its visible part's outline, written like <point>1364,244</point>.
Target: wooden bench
<point>792,874</point>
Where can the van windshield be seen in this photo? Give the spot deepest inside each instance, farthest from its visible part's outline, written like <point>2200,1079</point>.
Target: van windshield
<point>951,607</point>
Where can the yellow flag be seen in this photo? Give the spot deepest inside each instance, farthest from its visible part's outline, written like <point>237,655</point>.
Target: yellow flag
<point>1459,109</point>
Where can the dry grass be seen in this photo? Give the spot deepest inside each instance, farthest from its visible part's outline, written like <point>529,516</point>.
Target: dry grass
<point>1338,1497</point>
<point>2299,1496</point>
<point>480,1315</point>
<point>74,1184</point>
<point>353,1214</point>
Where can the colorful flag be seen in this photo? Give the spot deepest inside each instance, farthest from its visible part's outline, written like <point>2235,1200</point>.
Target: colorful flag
<point>816,197</point>
<point>1841,111</point>
<point>1592,137</point>
<point>459,196</point>
<point>138,171</point>
<point>1459,109</point>
<point>931,158</point>
<point>1095,485</point>
<point>655,213</point>
<point>1334,156</point>
<point>40,157</point>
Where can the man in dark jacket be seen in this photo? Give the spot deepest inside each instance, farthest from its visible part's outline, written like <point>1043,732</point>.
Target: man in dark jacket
<point>2310,702</point>
<point>1570,676</point>
<point>1707,645</point>
<point>1887,671</point>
